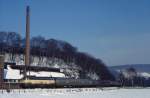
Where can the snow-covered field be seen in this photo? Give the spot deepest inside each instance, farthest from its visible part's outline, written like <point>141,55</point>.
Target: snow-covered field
<point>79,93</point>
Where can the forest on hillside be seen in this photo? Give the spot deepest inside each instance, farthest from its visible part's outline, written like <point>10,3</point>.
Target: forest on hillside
<point>13,43</point>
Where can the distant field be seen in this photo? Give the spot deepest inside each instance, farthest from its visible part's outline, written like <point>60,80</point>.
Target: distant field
<point>79,93</point>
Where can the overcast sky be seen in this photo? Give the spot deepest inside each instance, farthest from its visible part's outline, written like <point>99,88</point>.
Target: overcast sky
<point>116,31</point>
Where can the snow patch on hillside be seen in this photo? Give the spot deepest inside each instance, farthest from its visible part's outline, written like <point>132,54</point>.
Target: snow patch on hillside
<point>70,69</point>
<point>145,75</point>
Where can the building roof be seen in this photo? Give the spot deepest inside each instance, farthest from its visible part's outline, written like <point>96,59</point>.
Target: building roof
<point>32,68</point>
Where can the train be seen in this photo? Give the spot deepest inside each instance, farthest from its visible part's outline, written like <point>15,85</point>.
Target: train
<point>45,82</point>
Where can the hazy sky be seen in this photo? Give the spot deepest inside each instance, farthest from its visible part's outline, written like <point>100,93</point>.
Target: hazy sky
<point>116,31</point>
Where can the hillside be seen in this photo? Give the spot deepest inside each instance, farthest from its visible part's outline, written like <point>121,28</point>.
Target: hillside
<point>133,74</point>
<point>138,67</point>
<point>53,53</point>
<point>143,69</point>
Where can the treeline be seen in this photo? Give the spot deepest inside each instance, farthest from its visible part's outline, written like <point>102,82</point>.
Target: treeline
<point>12,42</point>
<point>130,77</point>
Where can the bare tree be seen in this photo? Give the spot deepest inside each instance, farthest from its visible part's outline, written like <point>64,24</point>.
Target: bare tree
<point>132,74</point>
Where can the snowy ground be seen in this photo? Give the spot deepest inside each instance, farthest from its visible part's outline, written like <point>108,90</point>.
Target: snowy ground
<point>79,93</point>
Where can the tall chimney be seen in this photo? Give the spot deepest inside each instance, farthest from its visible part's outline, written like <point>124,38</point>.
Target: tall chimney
<point>1,71</point>
<point>27,48</point>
